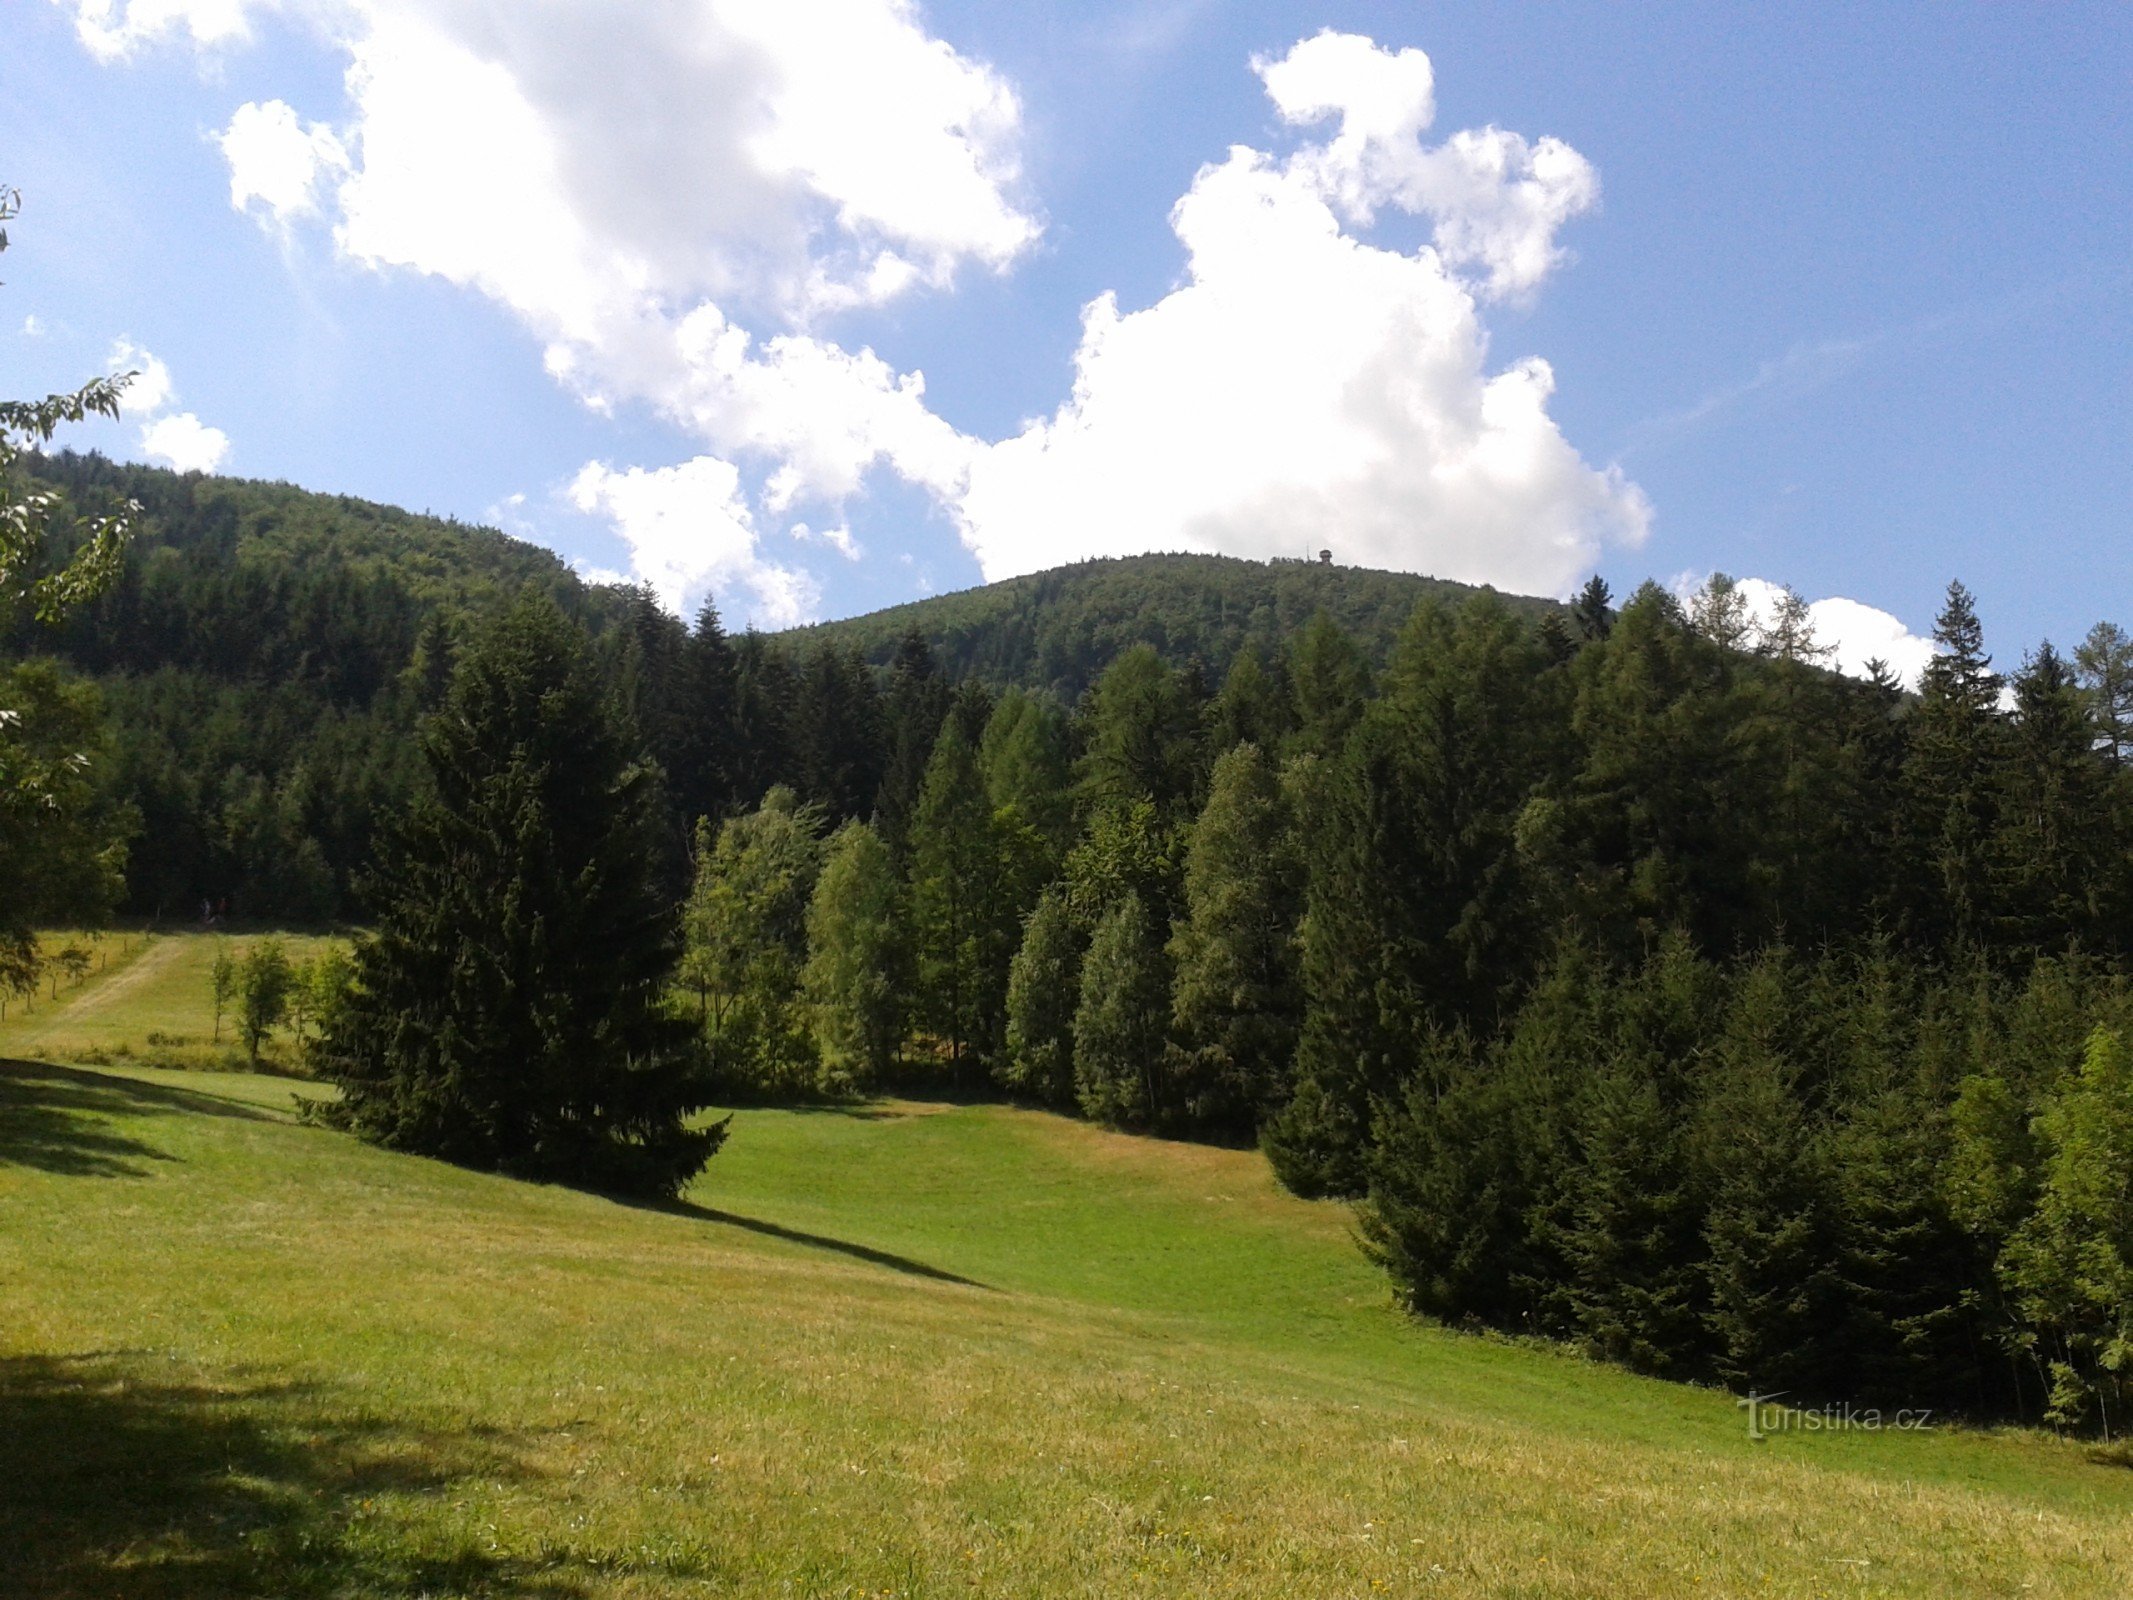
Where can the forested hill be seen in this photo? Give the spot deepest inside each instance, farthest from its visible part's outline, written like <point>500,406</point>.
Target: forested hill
<point>264,659</point>
<point>1057,630</point>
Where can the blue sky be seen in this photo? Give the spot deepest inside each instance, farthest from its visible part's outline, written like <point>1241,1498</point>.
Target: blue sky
<point>1836,298</point>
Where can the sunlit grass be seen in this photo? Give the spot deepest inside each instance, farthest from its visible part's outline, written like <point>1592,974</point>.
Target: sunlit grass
<point>148,1000</point>
<point>916,1350</point>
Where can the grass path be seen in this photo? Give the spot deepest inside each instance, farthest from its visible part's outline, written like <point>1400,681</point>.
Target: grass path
<point>138,966</point>
<point>913,1351</point>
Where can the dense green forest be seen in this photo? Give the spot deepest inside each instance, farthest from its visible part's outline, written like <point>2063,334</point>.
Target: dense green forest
<point>1057,630</point>
<point>265,653</point>
<point>1647,983</point>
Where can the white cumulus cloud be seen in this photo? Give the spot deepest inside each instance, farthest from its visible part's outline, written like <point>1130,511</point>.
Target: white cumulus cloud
<point>181,440</point>
<point>176,438</point>
<point>1852,633</point>
<point>1305,388</point>
<point>689,529</point>
<point>674,197</point>
<point>114,29</point>
<point>277,161</point>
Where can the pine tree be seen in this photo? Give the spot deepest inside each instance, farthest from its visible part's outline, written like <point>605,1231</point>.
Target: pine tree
<point>1236,1003</point>
<point>856,979</point>
<point>836,734</point>
<point>1043,992</point>
<point>1121,1021</point>
<point>510,1012</point>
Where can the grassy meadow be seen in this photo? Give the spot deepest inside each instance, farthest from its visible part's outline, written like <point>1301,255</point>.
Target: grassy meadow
<point>148,1000</point>
<point>889,1350</point>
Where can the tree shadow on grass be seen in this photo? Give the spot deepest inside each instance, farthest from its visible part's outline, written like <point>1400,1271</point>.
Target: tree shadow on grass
<point>130,1483</point>
<point>57,1119</point>
<point>814,1241</point>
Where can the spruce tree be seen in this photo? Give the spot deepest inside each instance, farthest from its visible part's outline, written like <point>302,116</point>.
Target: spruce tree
<point>510,1010</point>
<point>2058,853</point>
<point>1121,1021</point>
<point>1769,1228</point>
<point>1952,779</point>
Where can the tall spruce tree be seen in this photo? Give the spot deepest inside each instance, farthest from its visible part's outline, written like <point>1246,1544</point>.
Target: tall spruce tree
<point>2059,859</point>
<point>510,1011</point>
<point>1953,776</point>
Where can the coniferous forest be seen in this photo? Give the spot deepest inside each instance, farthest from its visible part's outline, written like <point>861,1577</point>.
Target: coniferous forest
<point>1647,983</point>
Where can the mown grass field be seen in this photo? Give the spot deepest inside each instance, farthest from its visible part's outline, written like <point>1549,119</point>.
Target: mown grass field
<point>148,1000</point>
<point>897,1350</point>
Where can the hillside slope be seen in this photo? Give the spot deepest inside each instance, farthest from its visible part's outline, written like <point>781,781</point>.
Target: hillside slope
<point>899,1350</point>
<point>1056,630</point>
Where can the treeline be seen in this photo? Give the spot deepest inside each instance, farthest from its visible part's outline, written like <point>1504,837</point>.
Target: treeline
<point>1507,942</point>
<point>264,655</point>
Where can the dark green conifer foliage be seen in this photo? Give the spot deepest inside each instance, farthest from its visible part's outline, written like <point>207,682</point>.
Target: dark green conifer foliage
<point>1256,704</point>
<point>1359,956</point>
<point>764,691</point>
<point>1658,819</point>
<point>2059,851</point>
<point>509,1013</point>
<point>1043,993</point>
<point>913,705</point>
<point>1633,1286</point>
<point>836,734</point>
<point>1236,1002</point>
<point>2103,664</point>
<point>1024,758</point>
<point>1329,683</point>
<point>1141,736</point>
<point>1591,613</point>
<point>959,923</point>
<point>1769,1232</point>
<point>704,775</point>
<point>1121,1021</point>
<point>1953,776</point>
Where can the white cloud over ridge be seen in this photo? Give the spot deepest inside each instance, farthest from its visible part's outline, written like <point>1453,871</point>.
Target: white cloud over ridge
<point>178,439</point>
<point>689,527</point>
<point>1304,387</point>
<point>674,198</point>
<point>1852,633</point>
